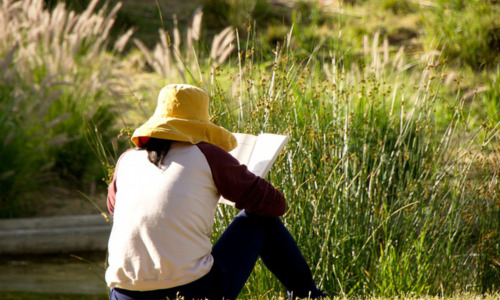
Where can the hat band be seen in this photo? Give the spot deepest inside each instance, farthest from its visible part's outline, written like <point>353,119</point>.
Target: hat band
<point>192,131</point>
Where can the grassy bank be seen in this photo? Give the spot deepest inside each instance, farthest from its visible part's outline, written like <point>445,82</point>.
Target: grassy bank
<point>392,169</point>
<point>35,296</point>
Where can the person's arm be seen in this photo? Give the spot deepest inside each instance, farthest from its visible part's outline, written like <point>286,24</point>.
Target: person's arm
<point>112,195</point>
<point>112,188</point>
<point>235,183</point>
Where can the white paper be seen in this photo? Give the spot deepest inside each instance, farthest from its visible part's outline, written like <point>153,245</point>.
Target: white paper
<point>246,143</point>
<point>265,151</point>
<point>258,153</point>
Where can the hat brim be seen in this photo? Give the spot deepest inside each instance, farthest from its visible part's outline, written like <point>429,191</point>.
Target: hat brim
<point>192,131</point>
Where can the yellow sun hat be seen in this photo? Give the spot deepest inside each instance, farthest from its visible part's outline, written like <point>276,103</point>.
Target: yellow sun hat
<point>182,115</point>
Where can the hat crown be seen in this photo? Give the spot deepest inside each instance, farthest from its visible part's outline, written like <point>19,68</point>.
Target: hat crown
<point>183,101</point>
<point>182,115</point>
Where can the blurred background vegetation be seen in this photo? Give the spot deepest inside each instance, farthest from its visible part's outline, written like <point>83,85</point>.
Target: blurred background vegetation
<point>393,109</point>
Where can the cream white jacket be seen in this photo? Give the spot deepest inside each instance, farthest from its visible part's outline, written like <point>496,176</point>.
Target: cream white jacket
<point>163,217</point>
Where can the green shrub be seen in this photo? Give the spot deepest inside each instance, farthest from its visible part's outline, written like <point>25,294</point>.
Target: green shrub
<point>470,35</point>
<point>239,14</point>
<point>399,7</point>
<point>56,77</point>
<point>21,152</point>
<point>491,97</point>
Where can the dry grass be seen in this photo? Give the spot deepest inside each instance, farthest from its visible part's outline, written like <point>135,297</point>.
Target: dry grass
<point>169,61</point>
<point>57,71</point>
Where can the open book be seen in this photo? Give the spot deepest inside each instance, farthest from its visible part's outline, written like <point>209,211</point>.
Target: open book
<point>258,153</point>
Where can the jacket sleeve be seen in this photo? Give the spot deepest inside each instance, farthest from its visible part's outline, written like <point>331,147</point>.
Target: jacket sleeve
<point>112,188</point>
<point>236,183</point>
<point>112,195</point>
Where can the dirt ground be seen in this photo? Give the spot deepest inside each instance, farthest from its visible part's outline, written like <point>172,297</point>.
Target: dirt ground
<point>64,202</point>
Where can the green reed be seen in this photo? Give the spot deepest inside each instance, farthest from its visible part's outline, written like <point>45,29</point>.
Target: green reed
<point>384,181</point>
<point>392,185</point>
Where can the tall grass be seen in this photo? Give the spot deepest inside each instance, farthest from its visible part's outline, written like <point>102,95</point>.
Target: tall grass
<point>392,184</point>
<point>56,75</point>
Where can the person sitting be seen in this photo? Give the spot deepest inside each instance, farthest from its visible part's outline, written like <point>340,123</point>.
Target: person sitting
<point>163,199</point>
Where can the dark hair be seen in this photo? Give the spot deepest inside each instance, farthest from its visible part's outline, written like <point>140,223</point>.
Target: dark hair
<point>157,150</point>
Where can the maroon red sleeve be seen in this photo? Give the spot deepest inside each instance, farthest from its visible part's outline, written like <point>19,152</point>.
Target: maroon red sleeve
<point>112,195</point>
<point>112,189</point>
<point>235,183</point>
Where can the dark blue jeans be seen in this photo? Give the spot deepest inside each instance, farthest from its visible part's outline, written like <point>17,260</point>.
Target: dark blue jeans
<point>246,239</point>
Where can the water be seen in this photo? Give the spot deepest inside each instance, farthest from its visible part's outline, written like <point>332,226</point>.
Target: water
<point>57,274</point>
